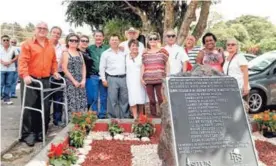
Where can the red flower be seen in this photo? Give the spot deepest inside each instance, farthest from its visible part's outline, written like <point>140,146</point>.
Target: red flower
<point>56,151</point>
<point>143,119</point>
<point>114,121</point>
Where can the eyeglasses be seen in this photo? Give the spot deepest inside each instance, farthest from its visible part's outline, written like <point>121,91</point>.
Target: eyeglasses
<point>74,40</point>
<point>153,38</point>
<point>85,41</point>
<point>6,40</point>
<point>231,44</point>
<point>42,28</point>
<point>13,42</point>
<point>171,36</point>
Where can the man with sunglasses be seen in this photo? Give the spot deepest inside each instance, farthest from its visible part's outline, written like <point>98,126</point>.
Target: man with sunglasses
<point>178,58</point>
<point>36,61</point>
<point>9,56</point>
<point>55,34</point>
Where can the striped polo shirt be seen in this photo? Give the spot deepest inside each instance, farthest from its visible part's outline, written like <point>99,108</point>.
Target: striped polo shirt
<point>192,54</point>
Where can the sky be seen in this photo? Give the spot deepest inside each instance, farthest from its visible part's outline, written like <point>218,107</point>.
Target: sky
<point>52,12</point>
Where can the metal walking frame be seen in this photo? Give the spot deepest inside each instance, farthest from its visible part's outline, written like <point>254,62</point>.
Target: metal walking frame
<point>42,90</point>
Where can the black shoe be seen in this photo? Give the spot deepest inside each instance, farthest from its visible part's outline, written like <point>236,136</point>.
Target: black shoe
<point>14,97</point>
<point>30,140</point>
<point>39,137</point>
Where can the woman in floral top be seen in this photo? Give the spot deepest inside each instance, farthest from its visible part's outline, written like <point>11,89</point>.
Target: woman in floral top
<point>210,55</point>
<point>155,67</point>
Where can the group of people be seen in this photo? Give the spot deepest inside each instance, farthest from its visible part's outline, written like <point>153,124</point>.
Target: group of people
<point>123,75</point>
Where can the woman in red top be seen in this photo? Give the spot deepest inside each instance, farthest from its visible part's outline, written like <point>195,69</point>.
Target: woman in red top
<point>155,67</point>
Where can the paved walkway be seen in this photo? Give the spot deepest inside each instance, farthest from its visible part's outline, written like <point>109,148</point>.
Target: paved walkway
<point>10,116</point>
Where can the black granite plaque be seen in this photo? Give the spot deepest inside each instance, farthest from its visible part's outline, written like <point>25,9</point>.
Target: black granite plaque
<point>210,126</point>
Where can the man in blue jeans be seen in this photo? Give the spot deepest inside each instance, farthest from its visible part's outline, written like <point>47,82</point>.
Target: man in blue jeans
<point>8,55</point>
<point>15,76</point>
<point>94,85</point>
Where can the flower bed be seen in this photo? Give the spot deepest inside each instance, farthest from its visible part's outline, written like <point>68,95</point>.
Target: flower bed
<point>266,122</point>
<point>123,148</point>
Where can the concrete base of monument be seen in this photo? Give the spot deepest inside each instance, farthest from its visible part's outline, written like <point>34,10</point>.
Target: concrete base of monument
<point>101,125</point>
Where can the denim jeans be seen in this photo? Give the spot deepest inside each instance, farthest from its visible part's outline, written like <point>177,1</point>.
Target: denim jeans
<point>6,84</point>
<point>94,86</point>
<point>14,83</point>
<point>57,108</point>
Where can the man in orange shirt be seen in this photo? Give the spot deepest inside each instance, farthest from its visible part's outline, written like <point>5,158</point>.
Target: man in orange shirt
<point>37,61</point>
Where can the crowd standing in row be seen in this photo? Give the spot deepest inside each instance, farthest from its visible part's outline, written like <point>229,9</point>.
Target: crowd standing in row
<point>123,75</point>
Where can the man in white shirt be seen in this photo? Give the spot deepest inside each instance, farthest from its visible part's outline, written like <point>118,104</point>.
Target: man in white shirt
<point>131,33</point>
<point>55,34</point>
<point>177,56</point>
<point>113,75</point>
<point>8,57</point>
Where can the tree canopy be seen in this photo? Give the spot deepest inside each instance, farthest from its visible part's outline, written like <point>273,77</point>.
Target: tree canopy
<point>146,15</point>
<point>250,31</point>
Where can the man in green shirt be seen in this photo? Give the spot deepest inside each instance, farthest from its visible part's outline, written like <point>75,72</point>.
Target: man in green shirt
<point>94,82</point>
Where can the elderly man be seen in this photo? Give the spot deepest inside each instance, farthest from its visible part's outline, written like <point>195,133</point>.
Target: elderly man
<point>9,55</point>
<point>94,83</point>
<point>55,34</point>
<point>113,75</point>
<point>131,33</point>
<point>37,61</point>
<point>177,56</point>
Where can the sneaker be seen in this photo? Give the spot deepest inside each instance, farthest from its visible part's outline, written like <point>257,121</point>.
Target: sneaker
<point>8,102</point>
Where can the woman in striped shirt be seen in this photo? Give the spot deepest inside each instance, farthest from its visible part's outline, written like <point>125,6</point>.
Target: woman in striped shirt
<point>155,67</point>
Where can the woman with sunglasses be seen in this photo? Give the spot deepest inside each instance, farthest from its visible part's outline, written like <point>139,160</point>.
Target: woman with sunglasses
<point>84,41</point>
<point>155,67</point>
<point>75,71</point>
<point>210,55</point>
<point>236,66</point>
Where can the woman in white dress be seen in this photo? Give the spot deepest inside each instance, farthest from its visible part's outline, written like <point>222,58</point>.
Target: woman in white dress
<point>137,96</point>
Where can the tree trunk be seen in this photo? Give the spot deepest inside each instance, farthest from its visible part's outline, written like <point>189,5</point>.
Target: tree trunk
<point>190,16</point>
<point>169,17</point>
<point>146,27</point>
<point>202,21</point>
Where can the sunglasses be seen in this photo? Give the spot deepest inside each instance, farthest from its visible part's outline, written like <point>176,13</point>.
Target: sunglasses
<point>231,44</point>
<point>6,40</point>
<point>171,36</point>
<point>74,40</point>
<point>42,28</point>
<point>85,41</point>
<point>13,42</point>
<point>153,38</point>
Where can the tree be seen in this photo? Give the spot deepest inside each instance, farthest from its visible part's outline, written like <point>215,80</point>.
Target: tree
<point>14,30</point>
<point>257,27</point>
<point>268,44</point>
<point>30,27</point>
<point>146,15</point>
<point>114,26</point>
